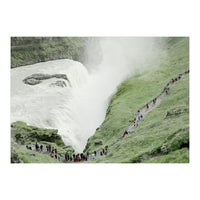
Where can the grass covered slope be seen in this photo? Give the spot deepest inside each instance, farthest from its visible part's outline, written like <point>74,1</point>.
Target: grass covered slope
<point>163,136</point>
<point>23,134</point>
<point>30,50</point>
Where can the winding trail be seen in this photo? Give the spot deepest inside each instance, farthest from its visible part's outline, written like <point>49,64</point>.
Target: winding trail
<point>144,111</point>
<point>132,126</point>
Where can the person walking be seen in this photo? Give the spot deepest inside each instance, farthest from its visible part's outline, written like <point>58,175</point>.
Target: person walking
<point>41,147</point>
<point>36,146</point>
<point>106,148</point>
<point>103,151</point>
<point>66,156</point>
<point>147,105</point>
<point>93,156</point>
<point>88,154</point>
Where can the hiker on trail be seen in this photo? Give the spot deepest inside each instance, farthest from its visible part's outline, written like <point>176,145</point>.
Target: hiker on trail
<point>56,151</point>
<point>141,116</point>
<point>106,148</point>
<point>26,146</point>
<point>154,101</point>
<point>93,156</point>
<point>134,119</point>
<point>51,154</point>
<point>103,151</point>
<point>138,117</point>
<point>95,153</point>
<point>41,147</point>
<point>101,154</point>
<point>77,158</point>
<point>167,90</point>
<point>138,112</point>
<point>70,157</point>
<point>30,148</point>
<point>147,105</point>
<point>74,157</point>
<point>66,156</point>
<point>88,154</point>
<point>123,134</point>
<point>49,148</point>
<point>172,80</point>
<point>187,71</point>
<point>82,157</point>
<point>175,79</point>
<point>36,146</point>
<point>52,149</point>
<point>85,157</point>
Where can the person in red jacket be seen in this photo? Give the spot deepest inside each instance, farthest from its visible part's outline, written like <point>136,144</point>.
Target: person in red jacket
<point>147,105</point>
<point>103,151</point>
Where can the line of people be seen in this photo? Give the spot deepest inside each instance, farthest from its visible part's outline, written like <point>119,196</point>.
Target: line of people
<point>84,157</point>
<point>166,90</point>
<point>39,148</point>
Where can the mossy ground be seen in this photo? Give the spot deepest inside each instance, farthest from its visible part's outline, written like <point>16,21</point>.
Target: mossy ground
<point>30,50</point>
<point>147,140</point>
<point>29,156</point>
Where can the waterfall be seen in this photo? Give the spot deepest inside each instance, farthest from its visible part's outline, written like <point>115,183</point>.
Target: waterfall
<point>79,108</point>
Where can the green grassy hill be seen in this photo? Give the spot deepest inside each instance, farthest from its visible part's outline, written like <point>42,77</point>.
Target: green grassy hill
<point>30,50</point>
<point>160,137</point>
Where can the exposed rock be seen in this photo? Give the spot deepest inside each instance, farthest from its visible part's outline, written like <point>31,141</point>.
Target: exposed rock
<point>32,81</point>
<point>98,143</point>
<point>35,79</point>
<point>177,111</point>
<point>59,83</point>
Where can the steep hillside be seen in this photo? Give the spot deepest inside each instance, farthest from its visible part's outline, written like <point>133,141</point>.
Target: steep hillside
<point>30,50</point>
<point>161,137</point>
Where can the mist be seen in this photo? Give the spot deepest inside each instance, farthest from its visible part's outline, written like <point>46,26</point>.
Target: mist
<point>78,110</point>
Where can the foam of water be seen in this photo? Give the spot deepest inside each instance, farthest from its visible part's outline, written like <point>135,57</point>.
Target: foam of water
<point>76,110</point>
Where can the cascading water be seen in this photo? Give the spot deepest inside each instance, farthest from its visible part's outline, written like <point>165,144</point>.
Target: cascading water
<point>78,109</point>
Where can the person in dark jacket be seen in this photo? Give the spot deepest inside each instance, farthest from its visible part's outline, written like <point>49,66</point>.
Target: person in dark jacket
<point>36,146</point>
<point>41,147</point>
